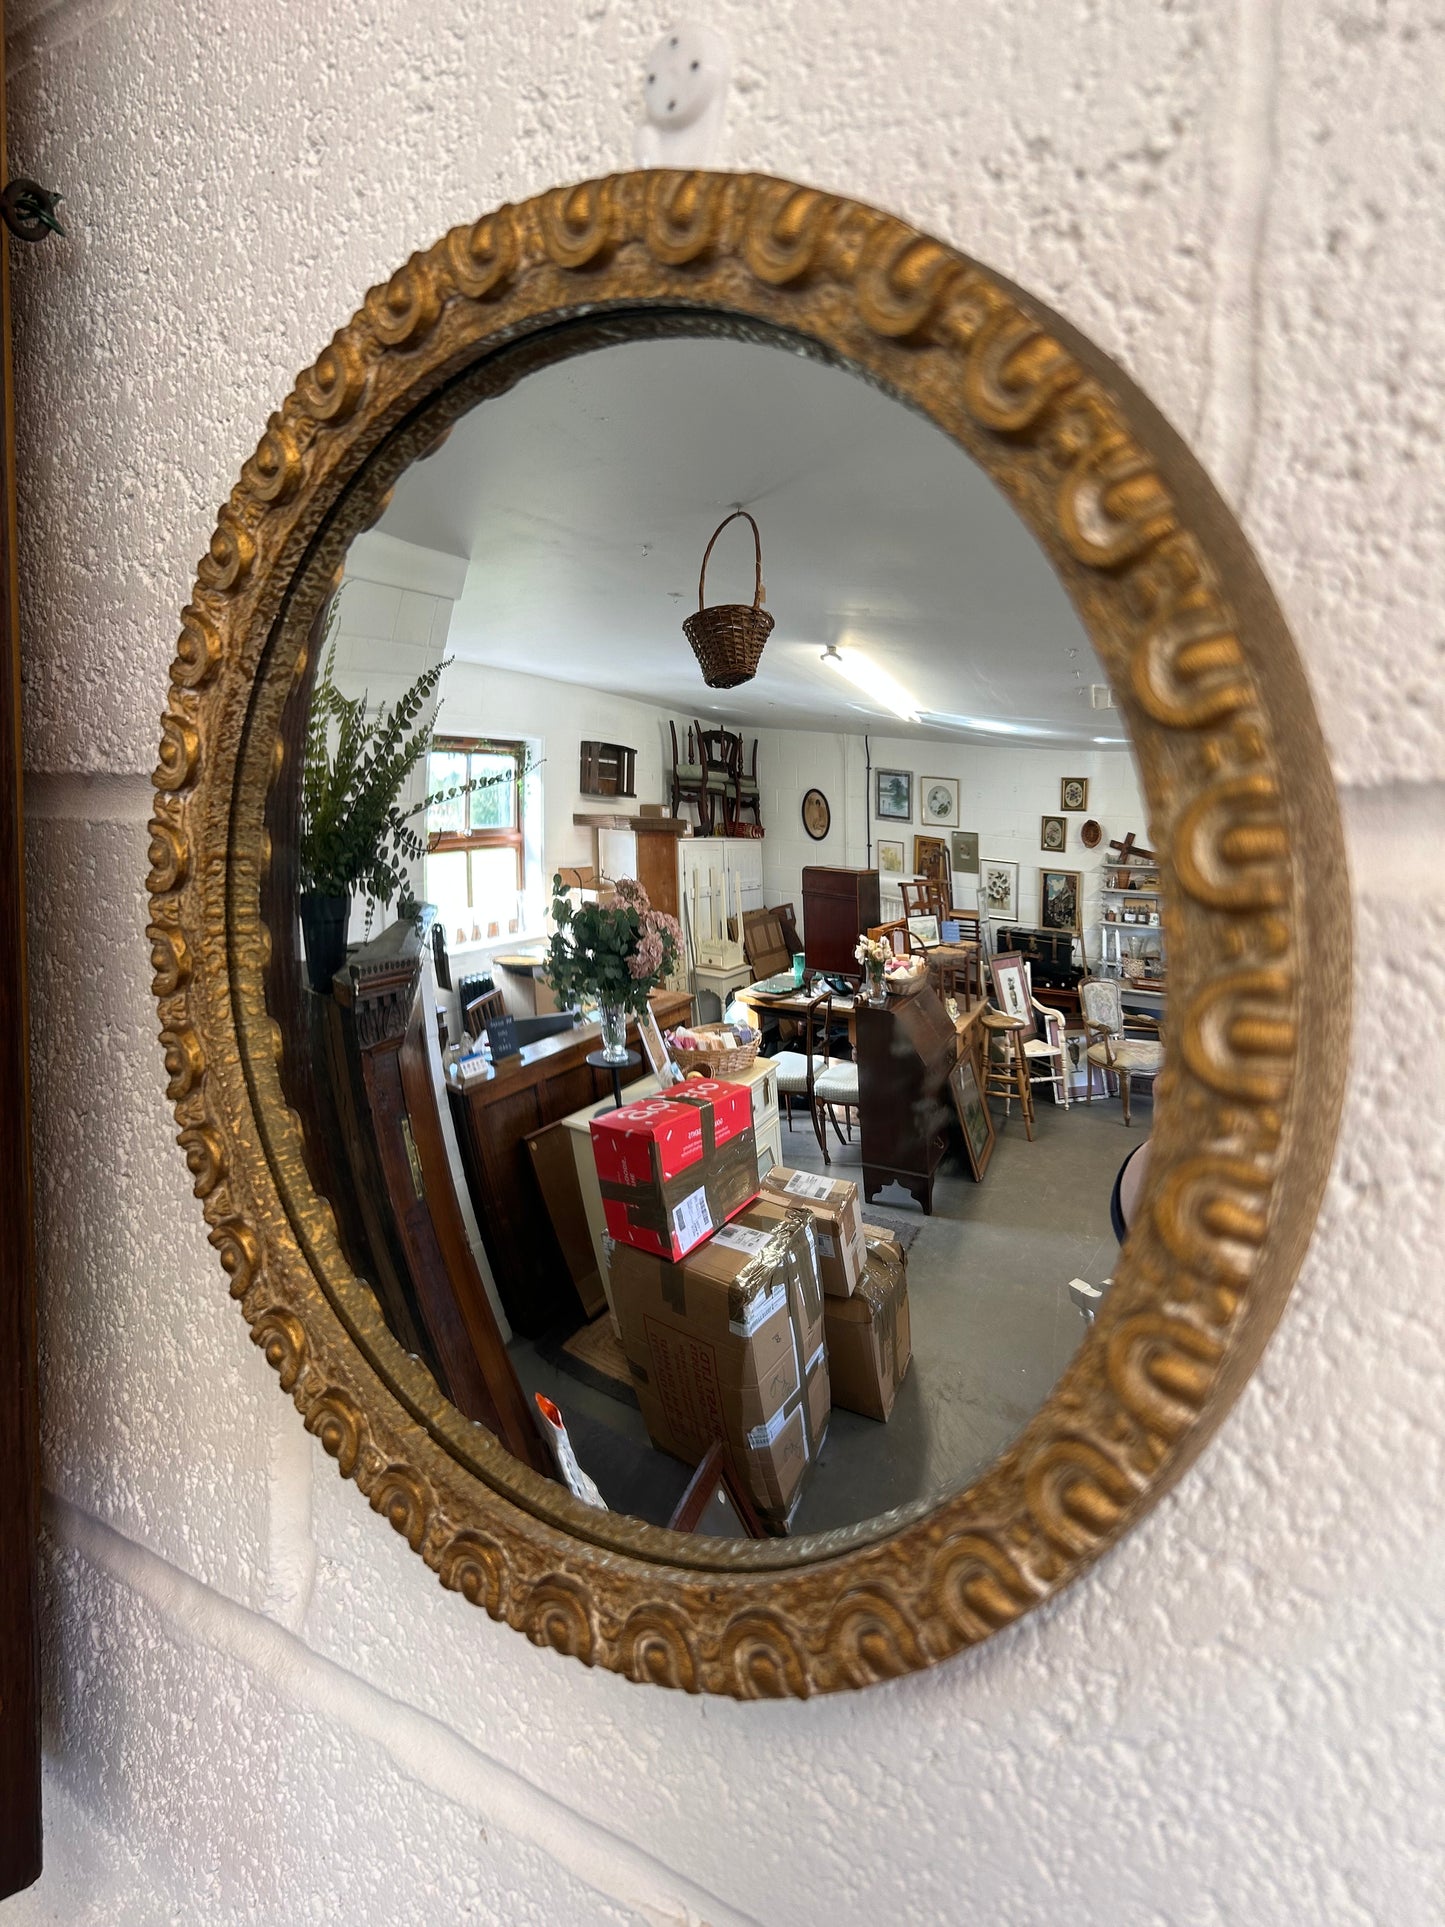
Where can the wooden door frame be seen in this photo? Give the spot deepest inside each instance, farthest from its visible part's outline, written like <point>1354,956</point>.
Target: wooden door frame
<point>19,1390</point>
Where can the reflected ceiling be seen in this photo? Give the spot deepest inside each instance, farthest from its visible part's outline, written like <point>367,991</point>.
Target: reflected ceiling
<point>582,500</point>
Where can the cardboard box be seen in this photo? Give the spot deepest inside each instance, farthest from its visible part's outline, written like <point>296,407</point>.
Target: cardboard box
<point>728,1344</point>
<point>673,1167</point>
<point>870,1342</point>
<point>837,1223</point>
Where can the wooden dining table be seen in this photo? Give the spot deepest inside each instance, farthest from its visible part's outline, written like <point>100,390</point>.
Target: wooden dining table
<point>792,1003</point>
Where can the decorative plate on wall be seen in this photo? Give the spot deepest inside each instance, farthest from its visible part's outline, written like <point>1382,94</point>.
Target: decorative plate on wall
<point>1091,834</point>
<point>817,817</point>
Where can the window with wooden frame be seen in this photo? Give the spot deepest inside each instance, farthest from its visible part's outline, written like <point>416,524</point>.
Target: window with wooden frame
<point>476,866</point>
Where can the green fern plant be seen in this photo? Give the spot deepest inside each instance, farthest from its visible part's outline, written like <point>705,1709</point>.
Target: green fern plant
<point>355,834</point>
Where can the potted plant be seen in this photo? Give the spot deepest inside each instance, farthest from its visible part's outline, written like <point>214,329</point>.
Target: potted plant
<point>355,834</point>
<point>611,954</point>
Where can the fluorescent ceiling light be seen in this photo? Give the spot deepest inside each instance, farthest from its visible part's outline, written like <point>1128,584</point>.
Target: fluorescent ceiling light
<point>874,682</point>
<point>988,725</point>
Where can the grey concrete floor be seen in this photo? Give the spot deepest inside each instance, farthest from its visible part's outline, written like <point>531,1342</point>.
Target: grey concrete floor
<point>993,1323</point>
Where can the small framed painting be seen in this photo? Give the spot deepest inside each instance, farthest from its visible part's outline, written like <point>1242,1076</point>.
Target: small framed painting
<point>940,800</point>
<point>964,847</point>
<point>974,1119</point>
<point>659,1058</point>
<point>1053,833</point>
<point>1059,900</point>
<point>998,889</point>
<point>930,861</point>
<point>818,818</point>
<point>893,795</point>
<point>1073,792</point>
<point>890,857</point>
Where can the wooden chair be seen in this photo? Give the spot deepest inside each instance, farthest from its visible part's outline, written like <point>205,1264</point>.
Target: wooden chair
<point>812,1074</point>
<point>1040,1043</point>
<point>481,1010</point>
<point>720,753</point>
<point>1109,1049</point>
<point>688,784</point>
<point>747,795</point>
<point>916,897</point>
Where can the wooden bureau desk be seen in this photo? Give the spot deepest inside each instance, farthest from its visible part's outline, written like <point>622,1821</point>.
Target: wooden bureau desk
<point>494,1115</point>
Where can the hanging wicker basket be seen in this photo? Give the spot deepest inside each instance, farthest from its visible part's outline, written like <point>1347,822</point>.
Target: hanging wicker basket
<point>728,638</point>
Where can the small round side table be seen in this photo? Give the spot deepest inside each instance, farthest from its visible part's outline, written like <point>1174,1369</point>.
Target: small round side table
<point>600,1061</point>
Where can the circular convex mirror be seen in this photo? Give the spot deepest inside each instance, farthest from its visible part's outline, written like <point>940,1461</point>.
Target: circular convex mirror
<point>727,1250</point>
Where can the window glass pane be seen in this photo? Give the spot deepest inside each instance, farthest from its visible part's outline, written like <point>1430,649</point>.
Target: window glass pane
<point>446,768</point>
<point>475,892</point>
<point>494,808</point>
<point>445,885</point>
<point>494,892</point>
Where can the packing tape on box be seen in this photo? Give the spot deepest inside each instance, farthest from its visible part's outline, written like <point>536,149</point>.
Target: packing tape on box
<point>680,1200</point>
<point>883,1293</point>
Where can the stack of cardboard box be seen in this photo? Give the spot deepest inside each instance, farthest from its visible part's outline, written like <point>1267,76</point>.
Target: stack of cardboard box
<point>730,1303</point>
<point>865,1279</point>
<point>717,1296</point>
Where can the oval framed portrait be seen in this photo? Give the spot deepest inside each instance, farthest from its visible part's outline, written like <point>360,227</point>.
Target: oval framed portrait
<point>817,817</point>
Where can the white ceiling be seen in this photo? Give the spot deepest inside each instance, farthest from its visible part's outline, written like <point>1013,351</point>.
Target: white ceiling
<point>582,501</point>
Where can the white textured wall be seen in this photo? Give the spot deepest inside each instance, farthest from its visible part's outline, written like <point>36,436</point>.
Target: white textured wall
<point>1003,794</point>
<point>262,1709</point>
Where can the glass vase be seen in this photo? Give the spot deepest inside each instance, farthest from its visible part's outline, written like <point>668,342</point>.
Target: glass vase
<point>875,984</point>
<point>614,1033</point>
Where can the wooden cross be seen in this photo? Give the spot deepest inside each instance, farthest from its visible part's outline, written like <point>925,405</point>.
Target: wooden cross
<point>1129,850</point>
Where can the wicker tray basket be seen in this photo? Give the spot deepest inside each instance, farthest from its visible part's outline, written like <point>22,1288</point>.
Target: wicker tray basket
<point>728,638</point>
<point>725,1059</point>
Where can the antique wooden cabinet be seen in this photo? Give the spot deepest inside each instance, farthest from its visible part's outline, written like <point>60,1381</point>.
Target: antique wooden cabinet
<point>394,1134</point>
<point>905,1047</point>
<point>495,1116</point>
<point>838,905</point>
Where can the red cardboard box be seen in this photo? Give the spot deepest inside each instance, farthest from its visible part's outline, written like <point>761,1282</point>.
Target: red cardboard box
<point>673,1167</point>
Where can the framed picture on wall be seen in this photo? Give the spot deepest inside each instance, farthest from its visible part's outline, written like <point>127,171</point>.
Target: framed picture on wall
<point>893,795</point>
<point>940,800</point>
<point>890,857</point>
<point>1060,900</point>
<point>998,889</point>
<point>963,844</point>
<point>1073,792</point>
<point>930,861</point>
<point>1053,833</point>
<point>973,1115</point>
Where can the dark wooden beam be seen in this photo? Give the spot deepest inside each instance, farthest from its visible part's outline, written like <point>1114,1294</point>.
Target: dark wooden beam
<point>19,1393</point>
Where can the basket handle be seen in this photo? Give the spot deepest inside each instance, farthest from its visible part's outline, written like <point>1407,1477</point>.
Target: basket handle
<point>757,549</point>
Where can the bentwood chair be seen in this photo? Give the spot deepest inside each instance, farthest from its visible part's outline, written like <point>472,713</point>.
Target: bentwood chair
<point>1109,1050</point>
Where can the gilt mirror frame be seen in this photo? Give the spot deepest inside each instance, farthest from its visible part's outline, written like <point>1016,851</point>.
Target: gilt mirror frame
<point>1240,807</point>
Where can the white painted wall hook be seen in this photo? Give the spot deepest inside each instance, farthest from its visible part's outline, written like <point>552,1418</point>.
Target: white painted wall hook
<point>684,91</point>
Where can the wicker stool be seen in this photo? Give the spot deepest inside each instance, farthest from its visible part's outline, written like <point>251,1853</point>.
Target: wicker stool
<point>1008,1076</point>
